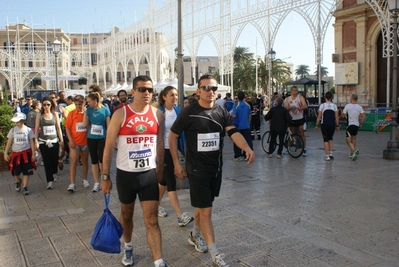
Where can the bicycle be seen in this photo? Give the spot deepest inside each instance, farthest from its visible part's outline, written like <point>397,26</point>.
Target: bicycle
<point>292,142</point>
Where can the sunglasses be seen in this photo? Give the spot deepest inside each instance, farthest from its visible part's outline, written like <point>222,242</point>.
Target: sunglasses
<point>143,89</point>
<point>46,105</point>
<point>208,88</point>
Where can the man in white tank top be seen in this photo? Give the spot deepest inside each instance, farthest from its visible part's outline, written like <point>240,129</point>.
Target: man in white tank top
<point>296,104</point>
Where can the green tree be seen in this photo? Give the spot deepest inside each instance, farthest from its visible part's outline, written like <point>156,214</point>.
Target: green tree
<point>324,72</point>
<point>241,54</point>
<point>302,70</point>
<point>244,76</point>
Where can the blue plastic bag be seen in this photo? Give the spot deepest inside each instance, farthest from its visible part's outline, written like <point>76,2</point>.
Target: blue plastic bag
<point>108,231</point>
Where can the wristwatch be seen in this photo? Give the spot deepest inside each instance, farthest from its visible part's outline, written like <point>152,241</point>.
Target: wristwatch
<point>104,177</point>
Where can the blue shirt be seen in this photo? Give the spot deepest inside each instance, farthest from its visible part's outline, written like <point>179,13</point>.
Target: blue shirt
<point>242,110</point>
<point>97,120</point>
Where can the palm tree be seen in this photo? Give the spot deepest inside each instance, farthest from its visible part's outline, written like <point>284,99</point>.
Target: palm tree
<point>324,72</point>
<point>302,70</point>
<point>241,54</point>
<point>244,75</point>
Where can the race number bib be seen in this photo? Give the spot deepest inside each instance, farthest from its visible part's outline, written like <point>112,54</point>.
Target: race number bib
<point>140,159</point>
<point>208,142</point>
<point>97,129</point>
<point>19,139</point>
<point>49,130</point>
<point>80,128</point>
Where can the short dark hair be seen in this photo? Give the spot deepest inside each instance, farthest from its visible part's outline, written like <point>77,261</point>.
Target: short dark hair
<point>240,95</point>
<point>143,78</point>
<point>206,77</point>
<point>121,91</point>
<point>328,95</point>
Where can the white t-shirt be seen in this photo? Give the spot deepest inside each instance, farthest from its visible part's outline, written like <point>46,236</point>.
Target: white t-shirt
<point>170,117</point>
<point>219,102</point>
<point>353,111</point>
<point>21,138</point>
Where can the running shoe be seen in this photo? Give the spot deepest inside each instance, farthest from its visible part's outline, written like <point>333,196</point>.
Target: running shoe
<point>71,188</point>
<point>183,219</point>
<point>50,185</point>
<point>127,259</point>
<point>85,183</point>
<point>270,156</point>
<point>239,159</point>
<point>96,187</point>
<point>327,158</point>
<point>60,165</point>
<point>304,153</point>
<point>25,191</point>
<point>161,212</point>
<point>17,186</point>
<point>163,264</point>
<point>355,155</point>
<point>278,156</point>
<point>331,155</point>
<point>55,177</point>
<point>198,242</point>
<point>219,262</point>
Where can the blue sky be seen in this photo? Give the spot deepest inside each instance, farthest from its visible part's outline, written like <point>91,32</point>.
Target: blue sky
<point>293,39</point>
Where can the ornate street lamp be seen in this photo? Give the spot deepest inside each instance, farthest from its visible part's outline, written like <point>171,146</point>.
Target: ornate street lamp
<point>272,57</point>
<point>56,49</point>
<point>392,151</point>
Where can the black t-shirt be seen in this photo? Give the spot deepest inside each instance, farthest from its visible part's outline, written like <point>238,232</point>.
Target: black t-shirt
<point>204,139</point>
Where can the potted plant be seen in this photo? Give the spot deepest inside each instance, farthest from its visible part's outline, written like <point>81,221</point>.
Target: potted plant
<point>6,112</point>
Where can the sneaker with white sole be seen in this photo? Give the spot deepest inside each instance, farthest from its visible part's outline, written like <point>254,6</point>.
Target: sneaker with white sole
<point>198,242</point>
<point>85,183</point>
<point>355,154</point>
<point>161,212</point>
<point>304,154</point>
<point>163,264</point>
<point>219,262</point>
<point>127,259</point>
<point>50,185</point>
<point>327,158</point>
<point>71,188</point>
<point>55,177</point>
<point>331,155</point>
<point>17,186</point>
<point>96,187</point>
<point>25,191</point>
<point>183,219</point>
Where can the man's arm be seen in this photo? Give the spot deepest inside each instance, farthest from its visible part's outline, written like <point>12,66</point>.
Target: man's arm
<point>179,170</point>
<point>304,105</point>
<point>363,118</point>
<point>160,146</point>
<point>239,140</point>
<point>112,134</point>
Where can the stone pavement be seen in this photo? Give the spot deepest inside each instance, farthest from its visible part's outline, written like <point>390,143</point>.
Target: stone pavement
<point>288,212</point>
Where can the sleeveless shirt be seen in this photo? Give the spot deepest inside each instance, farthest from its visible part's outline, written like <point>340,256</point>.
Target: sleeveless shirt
<point>137,141</point>
<point>49,131</point>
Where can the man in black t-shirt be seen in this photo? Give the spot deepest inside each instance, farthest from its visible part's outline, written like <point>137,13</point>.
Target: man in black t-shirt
<point>203,124</point>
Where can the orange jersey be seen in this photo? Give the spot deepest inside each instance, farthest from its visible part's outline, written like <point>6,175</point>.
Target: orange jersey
<point>74,123</point>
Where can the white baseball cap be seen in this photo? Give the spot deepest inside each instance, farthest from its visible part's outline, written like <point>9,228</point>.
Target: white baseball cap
<point>18,116</point>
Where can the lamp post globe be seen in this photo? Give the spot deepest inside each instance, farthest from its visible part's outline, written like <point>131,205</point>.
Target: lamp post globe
<point>56,49</point>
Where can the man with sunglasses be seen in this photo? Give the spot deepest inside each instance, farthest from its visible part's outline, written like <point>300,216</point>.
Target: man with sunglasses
<point>138,128</point>
<point>203,124</point>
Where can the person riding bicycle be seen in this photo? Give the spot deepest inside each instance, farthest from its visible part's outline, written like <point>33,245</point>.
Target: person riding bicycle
<point>279,118</point>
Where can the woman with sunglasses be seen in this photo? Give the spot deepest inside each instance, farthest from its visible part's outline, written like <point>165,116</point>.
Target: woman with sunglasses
<point>49,138</point>
<point>96,120</point>
<point>167,105</point>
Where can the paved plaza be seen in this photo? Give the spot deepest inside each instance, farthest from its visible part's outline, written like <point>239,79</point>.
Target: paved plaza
<point>280,213</point>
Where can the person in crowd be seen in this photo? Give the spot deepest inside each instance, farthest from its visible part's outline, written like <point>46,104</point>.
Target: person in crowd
<point>279,119</point>
<point>77,141</point>
<point>49,139</point>
<point>62,98</point>
<point>138,127</point>
<point>97,120</point>
<point>353,112</point>
<point>94,88</point>
<point>31,121</point>
<point>328,116</point>
<point>203,124</point>
<point>185,102</point>
<point>167,105</point>
<point>296,104</point>
<point>23,106</point>
<point>219,100</point>
<point>22,140</point>
<point>228,102</point>
<point>65,111</point>
<point>256,109</point>
<point>241,114</point>
<point>122,100</point>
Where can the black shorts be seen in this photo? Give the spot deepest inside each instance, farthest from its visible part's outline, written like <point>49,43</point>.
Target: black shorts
<point>297,123</point>
<point>168,179</point>
<point>204,189</point>
<point>24,168</point>
<point>328,132</point>
<point>129,184</point>
<point>352,130</point>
